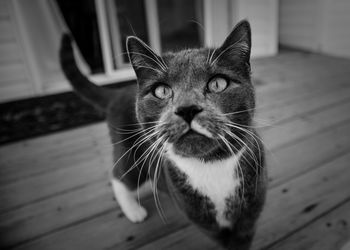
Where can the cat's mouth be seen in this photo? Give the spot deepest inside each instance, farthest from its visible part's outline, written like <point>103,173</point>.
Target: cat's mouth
<point>192,134</point>
<point>196,141</point>
<point>194,144</point>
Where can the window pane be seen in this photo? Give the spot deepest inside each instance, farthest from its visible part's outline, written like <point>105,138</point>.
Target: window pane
<point>128,18</point>
<point>180,24</point>
<point>80,16</point>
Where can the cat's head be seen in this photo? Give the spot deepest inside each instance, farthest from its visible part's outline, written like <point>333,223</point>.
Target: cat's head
<point>191,101</point>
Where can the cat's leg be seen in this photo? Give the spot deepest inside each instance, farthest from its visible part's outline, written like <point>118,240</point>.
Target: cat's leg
<point>127,179</point>
<point>127,200</point>
<point>245,227</point>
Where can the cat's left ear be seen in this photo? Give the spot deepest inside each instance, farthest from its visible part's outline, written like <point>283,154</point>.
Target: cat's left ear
<point>143,59</point>
<point>237,44</point>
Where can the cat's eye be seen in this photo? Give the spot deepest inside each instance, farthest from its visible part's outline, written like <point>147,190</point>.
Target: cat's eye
<point>217,85</point>
<point>162,92</point>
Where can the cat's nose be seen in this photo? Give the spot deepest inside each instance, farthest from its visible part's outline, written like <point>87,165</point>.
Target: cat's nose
<point>188,112</point>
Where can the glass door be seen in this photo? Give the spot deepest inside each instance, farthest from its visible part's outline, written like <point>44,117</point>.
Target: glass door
<point>126,18</point>
<point>100,28</point>
<point>180,24</point>
<point>163,24</point>
<point>81,19</point>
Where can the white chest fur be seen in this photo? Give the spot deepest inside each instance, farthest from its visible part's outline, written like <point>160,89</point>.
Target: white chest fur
<point>216,180</point>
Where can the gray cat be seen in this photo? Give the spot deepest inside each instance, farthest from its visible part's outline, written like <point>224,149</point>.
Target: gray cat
<point>187,126</point>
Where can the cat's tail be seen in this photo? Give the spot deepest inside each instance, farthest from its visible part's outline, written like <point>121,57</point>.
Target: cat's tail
<point>98,96</point>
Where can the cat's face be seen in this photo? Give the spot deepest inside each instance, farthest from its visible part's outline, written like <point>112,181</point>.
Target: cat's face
<point>192,100</point>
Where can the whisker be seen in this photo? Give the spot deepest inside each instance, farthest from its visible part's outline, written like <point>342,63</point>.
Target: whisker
<point>236,126</point>
<point>153,150</point>
<point>141,140</point>
<point>254,137</point>
<point>242,144</point>
<point>142,158</point>
<point>257,138</point>
<point>239,140</point>
<point>252,155</point>
<point>264,122</point>
<point>239,167</point>
<point>198,23</point>
<point>136,134</point>
<point>126,132</point>
<point>140,123</point>
<point>159,64</point>
<point>211,56</point>
<point>146,67</point>
<point>256,161</point>
<point>251,126</point>
<point>154,54</point>
<point>151,51</point>
<point>224,140</point>
<point>146,138</point>
<point>121,129</point>
<point>207,61</point>
<point>156,178</point>
<point>239,112</point>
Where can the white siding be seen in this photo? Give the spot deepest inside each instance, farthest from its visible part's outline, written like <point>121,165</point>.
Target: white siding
<point>316,25</point>
<point>15,80</point>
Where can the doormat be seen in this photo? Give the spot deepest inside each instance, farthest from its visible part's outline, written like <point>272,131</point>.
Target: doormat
<point>32,117</point>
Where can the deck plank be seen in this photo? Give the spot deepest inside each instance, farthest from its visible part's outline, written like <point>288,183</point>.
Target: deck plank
<point>113,230</point>
<point>301,105</point>
<point>329,232</point>
<point>40,187</point>
<point>287,162</point>
<point>300,127</point>
<point>55,213</point>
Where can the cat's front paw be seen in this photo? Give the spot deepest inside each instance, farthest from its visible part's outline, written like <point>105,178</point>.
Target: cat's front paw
<point>128,204</point>
<point>135,213</point>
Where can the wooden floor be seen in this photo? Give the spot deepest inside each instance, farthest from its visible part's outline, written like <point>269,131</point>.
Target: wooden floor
<point>54,192</point>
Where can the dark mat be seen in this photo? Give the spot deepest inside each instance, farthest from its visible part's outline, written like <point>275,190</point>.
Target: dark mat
<point>38,116</point>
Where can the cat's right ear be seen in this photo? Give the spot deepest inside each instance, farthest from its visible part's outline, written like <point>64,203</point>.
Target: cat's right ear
<point>143,59</point>
<point>237,46</point>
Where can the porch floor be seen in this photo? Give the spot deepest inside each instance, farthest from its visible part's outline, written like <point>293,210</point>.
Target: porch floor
<point>54,192</point>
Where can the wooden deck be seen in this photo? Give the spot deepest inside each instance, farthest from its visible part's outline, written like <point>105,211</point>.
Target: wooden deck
<point>54,191</point>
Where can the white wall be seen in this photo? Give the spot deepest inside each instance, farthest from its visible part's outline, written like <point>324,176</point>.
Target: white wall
<point>223,15</point>
<point>300,23</point>
<point>216,16</point>
<point>316,25</point>
<point>263,17</point>
<point>336,37</point>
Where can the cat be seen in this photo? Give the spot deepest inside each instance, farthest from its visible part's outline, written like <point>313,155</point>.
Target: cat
<point>188,126</point>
